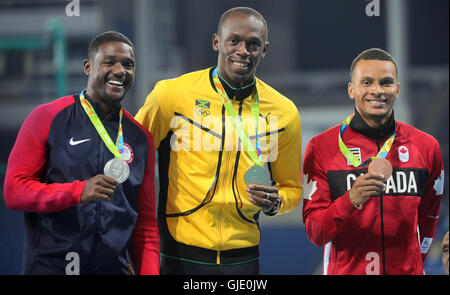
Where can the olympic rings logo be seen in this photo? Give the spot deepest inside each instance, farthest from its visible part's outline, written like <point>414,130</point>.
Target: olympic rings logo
<point>202,112</point>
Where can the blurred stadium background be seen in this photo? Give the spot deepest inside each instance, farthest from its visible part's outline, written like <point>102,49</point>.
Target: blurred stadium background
<point>312,44</point>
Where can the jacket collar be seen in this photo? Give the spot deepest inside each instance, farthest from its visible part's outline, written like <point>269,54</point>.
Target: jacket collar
<point>235,94</point>
<point>113,116</point>
<point>359,125</point>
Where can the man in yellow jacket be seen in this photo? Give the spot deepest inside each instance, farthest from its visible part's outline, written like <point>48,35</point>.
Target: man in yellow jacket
<point>229,146</point>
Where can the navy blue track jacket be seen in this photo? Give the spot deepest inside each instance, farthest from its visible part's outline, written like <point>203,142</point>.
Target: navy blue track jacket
<point>57,150</point>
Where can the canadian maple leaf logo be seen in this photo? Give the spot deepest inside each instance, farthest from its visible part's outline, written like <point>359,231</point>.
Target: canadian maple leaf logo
<point>309,187</point>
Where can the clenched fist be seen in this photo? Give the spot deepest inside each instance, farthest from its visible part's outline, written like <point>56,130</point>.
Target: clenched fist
<point>99,187</point>
<point>263,196</point>
<point>365,186</point>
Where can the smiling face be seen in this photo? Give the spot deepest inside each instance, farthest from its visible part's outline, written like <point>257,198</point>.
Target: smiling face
<point>374,87</point>
<point>111,73</point>
<point>241,43</point>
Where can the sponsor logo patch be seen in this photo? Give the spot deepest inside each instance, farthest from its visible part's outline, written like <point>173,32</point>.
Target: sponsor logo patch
<point>76,142</point>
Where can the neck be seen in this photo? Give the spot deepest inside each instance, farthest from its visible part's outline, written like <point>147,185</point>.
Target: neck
<point>104,108</point>
<point>237,93</point>
<point>361,125</point>
<point>240,85</point>
<point>376,121</point>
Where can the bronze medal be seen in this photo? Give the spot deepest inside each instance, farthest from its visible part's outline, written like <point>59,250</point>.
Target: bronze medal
<point>381,166</point>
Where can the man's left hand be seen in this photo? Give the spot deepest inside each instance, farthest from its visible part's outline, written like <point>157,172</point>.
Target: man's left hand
<point>263,196</point>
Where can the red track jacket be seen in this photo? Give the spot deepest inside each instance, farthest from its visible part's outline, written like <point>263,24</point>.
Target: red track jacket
<point>393,231</point>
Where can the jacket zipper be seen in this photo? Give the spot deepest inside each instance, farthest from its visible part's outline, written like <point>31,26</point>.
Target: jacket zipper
<point>97,216</point>
<point>226,177</point>
<point>383,256</point>
<point>95,229</point>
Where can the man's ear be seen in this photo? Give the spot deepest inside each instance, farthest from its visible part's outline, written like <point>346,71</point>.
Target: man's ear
<point>87,66</point>
<point>266,45</point>
<point>215,42</point>
<point>350,90</point>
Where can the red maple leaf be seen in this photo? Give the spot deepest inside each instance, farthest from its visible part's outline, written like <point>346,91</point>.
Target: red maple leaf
<point>403,150</point>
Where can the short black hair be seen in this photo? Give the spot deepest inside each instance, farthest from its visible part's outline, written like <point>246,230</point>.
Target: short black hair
<point>109,36</point>
<point>243,10</point>
<point>373,54</point>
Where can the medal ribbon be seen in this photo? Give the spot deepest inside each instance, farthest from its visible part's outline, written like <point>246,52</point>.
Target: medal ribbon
<point>254,153</point>
<point>349,155</point>
<point>116,149</point>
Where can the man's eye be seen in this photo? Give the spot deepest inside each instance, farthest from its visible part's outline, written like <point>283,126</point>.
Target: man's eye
<point>365,83</point>
<point>254,45</point>
<point>387,82</point>
<point>108,63</point>
<point>234,41</point>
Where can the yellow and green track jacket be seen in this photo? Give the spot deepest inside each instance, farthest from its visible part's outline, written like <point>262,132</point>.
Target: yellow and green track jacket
<point>204,211</point>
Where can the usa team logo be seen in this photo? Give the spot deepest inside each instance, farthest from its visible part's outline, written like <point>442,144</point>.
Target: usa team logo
<point>403,154</point>
<point>127,154</point>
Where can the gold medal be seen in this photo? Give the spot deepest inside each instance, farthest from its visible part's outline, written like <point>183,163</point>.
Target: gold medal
<point>257,175</point>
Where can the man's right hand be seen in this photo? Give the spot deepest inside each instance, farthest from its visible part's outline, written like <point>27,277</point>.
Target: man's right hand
<point>99,187</point>
<point>365,186</point>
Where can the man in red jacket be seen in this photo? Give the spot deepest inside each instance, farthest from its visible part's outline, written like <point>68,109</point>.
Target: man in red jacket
<point>371,222</point>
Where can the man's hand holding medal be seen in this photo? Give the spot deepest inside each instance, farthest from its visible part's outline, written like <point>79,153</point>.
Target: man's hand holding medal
<point>372,183</point>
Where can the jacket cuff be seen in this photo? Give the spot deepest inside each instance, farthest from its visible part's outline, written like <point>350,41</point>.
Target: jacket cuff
<point>345,206</point>
<point>78,190</point>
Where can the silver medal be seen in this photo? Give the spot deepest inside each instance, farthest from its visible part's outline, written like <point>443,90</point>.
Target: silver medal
<point>257,175</point>
<point>117,169</point>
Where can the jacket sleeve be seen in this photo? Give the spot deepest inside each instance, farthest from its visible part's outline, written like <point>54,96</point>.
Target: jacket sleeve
<point>431,200</point>
<point>24,188</point>
<point>156,113</point>
<point>286,168</point>
<point>324,218</point>
<point>145,239</point>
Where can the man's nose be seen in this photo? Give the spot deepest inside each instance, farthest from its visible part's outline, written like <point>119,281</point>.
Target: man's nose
<point>242,49</point>
<point>118,69</point>
<point>377,88</point>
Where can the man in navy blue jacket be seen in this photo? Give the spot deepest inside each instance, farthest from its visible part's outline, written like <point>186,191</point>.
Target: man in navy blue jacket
<point>79,220</point>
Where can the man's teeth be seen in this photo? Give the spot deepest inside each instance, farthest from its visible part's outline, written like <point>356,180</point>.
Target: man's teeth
<point>115,82</point>
<point>242,64</point>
